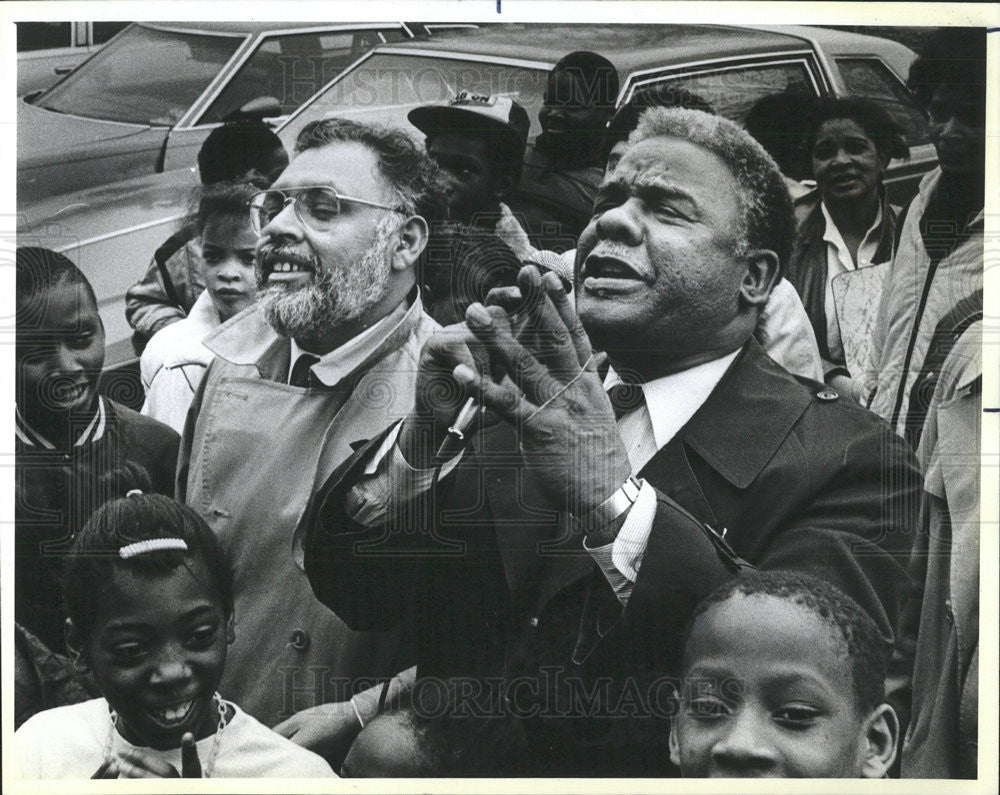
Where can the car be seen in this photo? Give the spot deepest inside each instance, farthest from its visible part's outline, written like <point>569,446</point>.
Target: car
<point>145,102</point>
<point>112,230</point>
<point>730,67</point>
<point>48,50</point>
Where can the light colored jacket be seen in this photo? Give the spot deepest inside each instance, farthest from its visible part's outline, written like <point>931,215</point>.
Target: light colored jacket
<point>174,361</point>
<point>911,308</point>
<point>254,450</point>
<point>939,627</point>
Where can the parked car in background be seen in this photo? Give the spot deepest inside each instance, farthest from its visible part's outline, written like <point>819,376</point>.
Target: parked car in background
<point>48,50</point>
<point>730,67</point>
<point>111,231</point>
<point>145,102</point>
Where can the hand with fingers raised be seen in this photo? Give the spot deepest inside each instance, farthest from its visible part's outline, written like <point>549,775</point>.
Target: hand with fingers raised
<point>132,764</point>
<point>439,397</point>
<point>552,394</point>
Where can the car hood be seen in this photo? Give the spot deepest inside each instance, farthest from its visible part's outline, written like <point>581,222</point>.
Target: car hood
<point>42,132</point>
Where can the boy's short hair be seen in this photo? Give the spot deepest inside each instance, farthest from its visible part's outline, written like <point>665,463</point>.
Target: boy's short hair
<point>94,557</point>
<point>235,148</point>
<point>866,649</point>
<point>663,95</point>
<point>37,271</point>
<point>596,76</point>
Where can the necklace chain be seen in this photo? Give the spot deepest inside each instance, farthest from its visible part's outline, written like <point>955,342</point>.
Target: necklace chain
<point>209,767</point>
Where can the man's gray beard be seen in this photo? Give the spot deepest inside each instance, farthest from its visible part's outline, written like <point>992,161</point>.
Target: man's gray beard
<point>334,298</point>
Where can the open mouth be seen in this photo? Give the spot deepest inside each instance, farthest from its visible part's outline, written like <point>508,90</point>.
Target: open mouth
<point>603,274</point>
<point>281,267</point>
<point>844,180</point>
<point>171,716</point>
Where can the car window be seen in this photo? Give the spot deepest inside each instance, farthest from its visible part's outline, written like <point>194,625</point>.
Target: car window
<point>872,79</point>
<point>105,30</point>
<point>387,86</point>
<point>145,76</point>
<point>43,35</point>
<point>733,92</point>
<point>291,68</point>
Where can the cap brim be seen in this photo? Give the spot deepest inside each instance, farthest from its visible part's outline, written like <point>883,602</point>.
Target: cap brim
<point>438,119</point>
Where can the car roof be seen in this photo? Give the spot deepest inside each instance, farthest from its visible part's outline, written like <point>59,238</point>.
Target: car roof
<point>627,46</point>
<point>243,28</point>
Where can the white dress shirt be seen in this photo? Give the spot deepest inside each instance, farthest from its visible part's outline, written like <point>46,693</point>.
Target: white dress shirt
<point>839,260</point>
<point>669,402</point>
<point>340,362</point>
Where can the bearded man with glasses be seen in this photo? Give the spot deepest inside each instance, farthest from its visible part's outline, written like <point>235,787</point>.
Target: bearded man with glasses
<point>327,357</point>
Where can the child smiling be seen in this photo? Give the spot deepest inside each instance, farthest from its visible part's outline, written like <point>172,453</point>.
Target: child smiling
<point>150,606</point>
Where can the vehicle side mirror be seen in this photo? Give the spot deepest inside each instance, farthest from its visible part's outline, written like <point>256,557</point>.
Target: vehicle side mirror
<point>258,108</point>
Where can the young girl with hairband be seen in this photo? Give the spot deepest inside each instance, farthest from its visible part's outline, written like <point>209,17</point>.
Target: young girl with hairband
<point>150,606</point>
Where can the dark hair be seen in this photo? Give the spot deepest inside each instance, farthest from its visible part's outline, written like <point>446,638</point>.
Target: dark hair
<point>38,270</point>
<point>867,650</point>
<point>223,198</point>
<point>234,149</point>
<point>664,95</point>
<point>94,558</point>
<point>412,175</point>
<point>596,76</point>
<point>765,205</point>
<point>878,125</point>
<point>951,56</point>
<point>780,123</point>
<point>458,742</point>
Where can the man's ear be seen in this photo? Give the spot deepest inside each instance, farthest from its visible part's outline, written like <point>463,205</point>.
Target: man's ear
<point>760,278</point>
<point>74,645</point>
<point>675,746</point>
<point>411,243</point>
<point>231,629</point>
<point>881,734</point>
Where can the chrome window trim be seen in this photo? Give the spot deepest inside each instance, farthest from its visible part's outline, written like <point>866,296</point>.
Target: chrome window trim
<point>440,54</point>
<point>645,77</point>
<point>192,117</point>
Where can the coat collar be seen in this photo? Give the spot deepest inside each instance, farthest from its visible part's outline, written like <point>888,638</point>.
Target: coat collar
<point>747,417</point>
<point>248,340</point>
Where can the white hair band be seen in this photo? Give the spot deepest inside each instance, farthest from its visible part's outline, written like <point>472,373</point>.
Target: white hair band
<point>152,545</point>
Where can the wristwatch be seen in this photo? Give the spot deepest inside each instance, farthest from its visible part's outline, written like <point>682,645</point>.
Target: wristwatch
<point>614,506</point>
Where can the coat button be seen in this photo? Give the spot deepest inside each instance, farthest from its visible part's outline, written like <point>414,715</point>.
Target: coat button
<point>828,395</point>
<point>299,639</point>
<point>533,621</point>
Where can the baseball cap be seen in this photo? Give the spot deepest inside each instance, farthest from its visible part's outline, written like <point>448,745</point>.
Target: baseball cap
<point>499,117</point>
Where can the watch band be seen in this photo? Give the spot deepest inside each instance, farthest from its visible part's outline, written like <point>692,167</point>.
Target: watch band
<point>614,506</point>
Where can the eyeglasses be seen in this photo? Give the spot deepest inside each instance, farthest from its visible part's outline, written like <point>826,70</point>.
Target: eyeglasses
<point>316,206</point>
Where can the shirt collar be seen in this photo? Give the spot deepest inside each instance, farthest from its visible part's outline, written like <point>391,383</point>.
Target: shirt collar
<point>832,235</point>
<point>32,437</point>
<point>673,399</point>
<point>341,362</point>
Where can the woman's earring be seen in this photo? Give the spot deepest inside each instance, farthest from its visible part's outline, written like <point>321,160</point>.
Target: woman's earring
<point>79,664</point>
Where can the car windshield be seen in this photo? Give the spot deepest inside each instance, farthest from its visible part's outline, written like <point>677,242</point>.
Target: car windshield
<point>388,85</point>
<point>145,76</point>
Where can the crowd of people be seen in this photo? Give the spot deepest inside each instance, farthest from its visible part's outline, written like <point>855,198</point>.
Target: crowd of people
<point>619,453</point>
